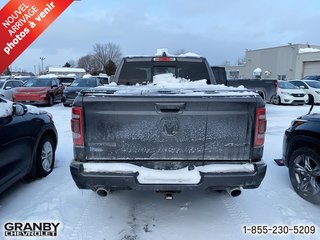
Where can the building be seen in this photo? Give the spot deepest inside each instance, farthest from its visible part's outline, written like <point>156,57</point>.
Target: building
<point>66,70</point>
<point>293,61</point>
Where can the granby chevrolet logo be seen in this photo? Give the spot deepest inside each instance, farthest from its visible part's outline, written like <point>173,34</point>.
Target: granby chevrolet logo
<point>31,229</point>
<point>22,21</point>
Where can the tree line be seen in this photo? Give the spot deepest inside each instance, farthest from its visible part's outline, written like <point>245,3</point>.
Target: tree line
<point>104,59</point>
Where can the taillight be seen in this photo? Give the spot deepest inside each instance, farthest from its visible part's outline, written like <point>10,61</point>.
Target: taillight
<point>164,59</point>
<point>77,126</point>
<point>276,83</point>
<point>261,126</point>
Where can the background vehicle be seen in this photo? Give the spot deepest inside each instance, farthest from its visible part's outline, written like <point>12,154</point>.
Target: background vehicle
<point>7,87</point>
<point>70,93</point>
<point>167,138</point>
<point>312,77</point>
<point>27,143</point>
<point>287,93</point>
<point>265,87</point>
<point>311,88</point>
<point>302,156</point>
<point>66,80</point>
<point>39,91</point>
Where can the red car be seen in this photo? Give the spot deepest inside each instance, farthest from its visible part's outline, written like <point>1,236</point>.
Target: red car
<point>39,91</point>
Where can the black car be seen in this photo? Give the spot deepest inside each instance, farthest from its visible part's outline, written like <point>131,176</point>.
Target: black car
<point>301,154</point>
<point>28,140</point>
<point>70,93</point>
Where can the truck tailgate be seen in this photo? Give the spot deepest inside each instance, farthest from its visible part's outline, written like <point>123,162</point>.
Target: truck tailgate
<point>168,128</point>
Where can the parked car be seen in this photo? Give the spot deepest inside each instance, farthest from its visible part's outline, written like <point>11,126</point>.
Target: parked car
<point>7,88</point>
<point>312,77</point>
<point>39,91</point>
<point>311,88</point>
<point>301,154</point>
<point>70,93</point>
<point>27,143</point>
<point>66,80</point>
<point>287,93</point>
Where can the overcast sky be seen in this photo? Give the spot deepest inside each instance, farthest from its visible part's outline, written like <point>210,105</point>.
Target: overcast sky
<point>218,30</point>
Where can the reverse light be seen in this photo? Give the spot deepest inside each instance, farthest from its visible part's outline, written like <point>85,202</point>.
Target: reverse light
<point>77,126</point>
<point>261,127</point>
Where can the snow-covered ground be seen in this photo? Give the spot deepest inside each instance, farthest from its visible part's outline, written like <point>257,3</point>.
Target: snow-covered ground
<point>130,215</point>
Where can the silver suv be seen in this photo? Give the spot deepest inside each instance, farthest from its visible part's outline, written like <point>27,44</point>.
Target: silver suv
<point>7,86</point>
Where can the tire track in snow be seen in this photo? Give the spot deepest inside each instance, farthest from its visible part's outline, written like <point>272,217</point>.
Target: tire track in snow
<point>78,230</point>
<point>238,215</point>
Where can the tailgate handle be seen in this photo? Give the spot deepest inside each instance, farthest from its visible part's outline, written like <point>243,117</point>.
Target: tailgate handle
<point>170,107</point>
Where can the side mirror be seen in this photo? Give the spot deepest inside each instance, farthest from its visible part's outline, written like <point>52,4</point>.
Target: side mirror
<point>7,88</point>
<point>19,109</point>
<point>302,87</point>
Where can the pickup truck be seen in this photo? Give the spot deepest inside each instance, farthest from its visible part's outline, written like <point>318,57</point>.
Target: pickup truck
<point>164,137</point>
<point>266,88</point>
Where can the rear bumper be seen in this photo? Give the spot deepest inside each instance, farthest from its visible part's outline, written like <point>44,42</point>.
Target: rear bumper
<point>129,180</point>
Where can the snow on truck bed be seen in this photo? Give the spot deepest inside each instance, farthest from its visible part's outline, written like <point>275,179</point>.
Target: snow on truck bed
<point>167,84</point>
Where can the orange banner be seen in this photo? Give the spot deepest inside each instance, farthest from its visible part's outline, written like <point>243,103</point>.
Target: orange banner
<point>21,22</point>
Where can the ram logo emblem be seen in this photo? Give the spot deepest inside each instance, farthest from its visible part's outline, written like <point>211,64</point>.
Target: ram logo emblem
<point>170,127</point>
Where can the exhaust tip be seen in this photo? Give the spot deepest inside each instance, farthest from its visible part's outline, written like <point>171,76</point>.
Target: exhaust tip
<point>168,196</point>
<point>102,192</point>
<point>234,192</point>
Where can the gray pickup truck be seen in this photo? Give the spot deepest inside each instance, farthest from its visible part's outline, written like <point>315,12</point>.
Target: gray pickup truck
<point>164,138</point>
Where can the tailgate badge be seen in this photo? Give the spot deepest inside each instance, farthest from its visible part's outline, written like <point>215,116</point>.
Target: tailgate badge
<point>169,126</point>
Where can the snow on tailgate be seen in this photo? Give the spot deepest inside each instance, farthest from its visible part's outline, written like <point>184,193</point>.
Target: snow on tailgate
<point>154,176</point>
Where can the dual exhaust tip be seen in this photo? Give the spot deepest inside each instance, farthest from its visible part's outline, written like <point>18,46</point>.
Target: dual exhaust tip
<point>233,192</point>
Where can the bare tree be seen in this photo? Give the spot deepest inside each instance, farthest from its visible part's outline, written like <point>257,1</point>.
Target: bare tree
<point>90,64</point>
<point>105,52</point>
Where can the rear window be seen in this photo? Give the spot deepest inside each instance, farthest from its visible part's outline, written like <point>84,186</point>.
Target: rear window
<point>38,82</point>
<point>313,84</point>
<point>1,83</point>
<point>313,77</point>
<point>84,82</point>
<point>66,81</point>
<point>287,85</point>
<point>143,72</point>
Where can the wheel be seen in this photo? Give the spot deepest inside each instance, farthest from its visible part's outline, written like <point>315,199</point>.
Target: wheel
<point>304,172</point>
<point>51,100</point>
<point>276,100</point>
<point>310,99</point>
<point>45,156</point>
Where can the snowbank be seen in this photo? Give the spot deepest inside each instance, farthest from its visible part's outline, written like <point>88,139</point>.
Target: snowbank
<point>309,50</point>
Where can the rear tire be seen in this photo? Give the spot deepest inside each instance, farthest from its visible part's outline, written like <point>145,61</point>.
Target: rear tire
<point>51,100</point>
<point>276,100</point>
<point>310,99</point>
<point>304,172</point>
<point>45,156</point>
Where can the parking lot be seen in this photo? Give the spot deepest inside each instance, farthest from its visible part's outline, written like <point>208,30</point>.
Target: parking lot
<point>146,215</point>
